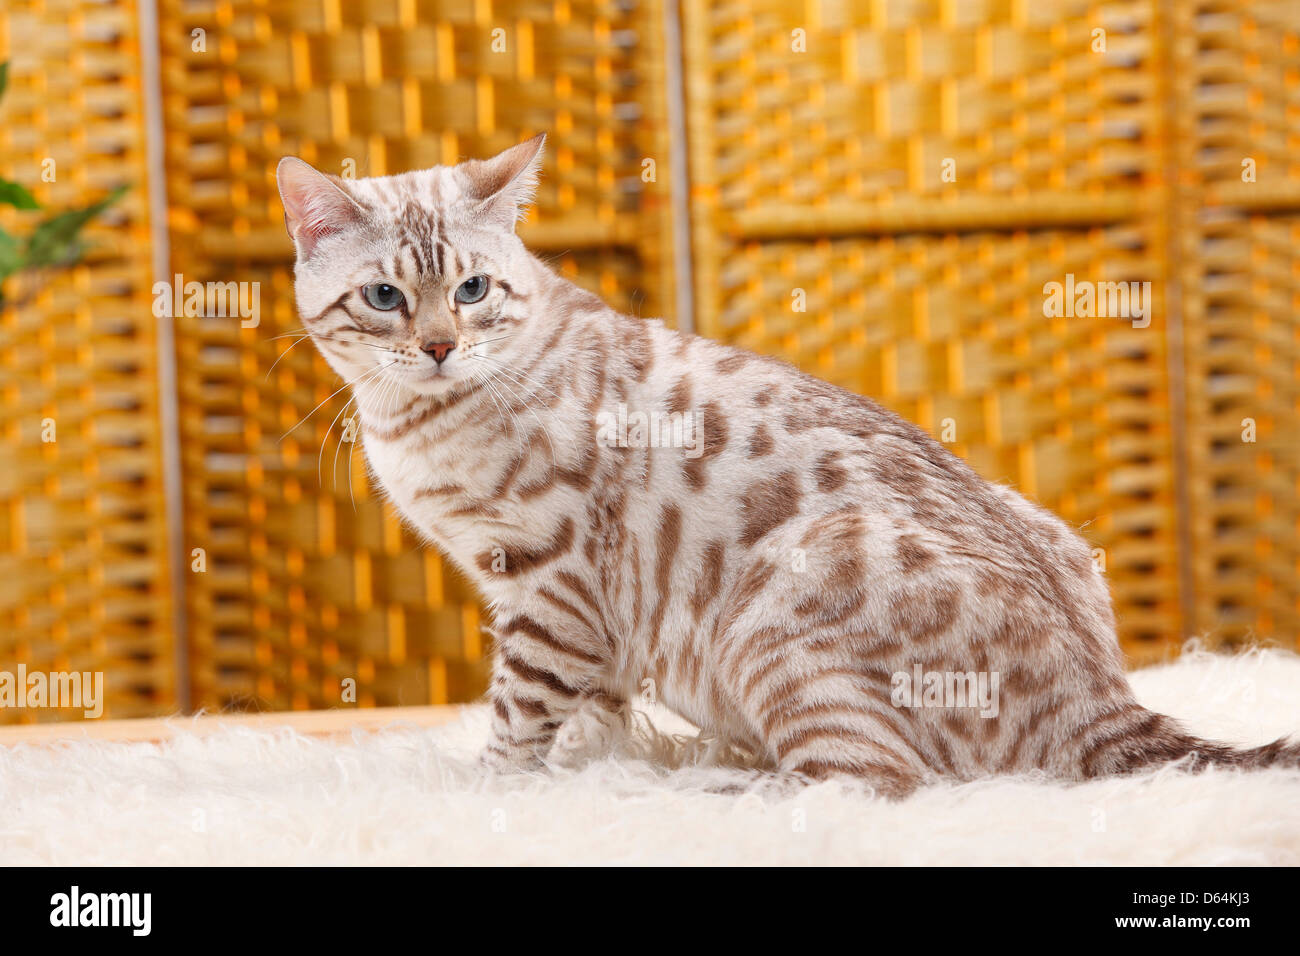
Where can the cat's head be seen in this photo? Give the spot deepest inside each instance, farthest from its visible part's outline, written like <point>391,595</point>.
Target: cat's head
<point>416,279</point>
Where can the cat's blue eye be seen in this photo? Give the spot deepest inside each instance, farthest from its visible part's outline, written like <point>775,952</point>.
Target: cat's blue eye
<point>383,297</point>
<point>472,289</point>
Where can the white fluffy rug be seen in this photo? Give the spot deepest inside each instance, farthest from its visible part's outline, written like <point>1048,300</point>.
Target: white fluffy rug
<point>407,796</point>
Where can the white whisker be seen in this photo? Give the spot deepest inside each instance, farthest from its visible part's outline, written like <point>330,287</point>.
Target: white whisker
<point>334,475</point>
<point>514,426</point>
<point>492,393</point>
<point>388,391</point>
<point>328,397</point>
<point>517,373</point>
<point>524,402</point>
<point>282,355</point>
<point>489,341</point>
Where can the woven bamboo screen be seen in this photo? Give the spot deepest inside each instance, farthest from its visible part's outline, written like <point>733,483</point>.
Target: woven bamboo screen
<point>1238,142</point>
<point>878,191</point>
<point>310,580</point>
<point>83,570</point>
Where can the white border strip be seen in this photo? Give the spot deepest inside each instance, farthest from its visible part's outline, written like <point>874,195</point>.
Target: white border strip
<point>683,270</point>
<point>168,401</point>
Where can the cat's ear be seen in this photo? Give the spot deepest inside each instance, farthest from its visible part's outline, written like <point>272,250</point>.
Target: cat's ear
<point>503,186</point>
<point>315,206</point>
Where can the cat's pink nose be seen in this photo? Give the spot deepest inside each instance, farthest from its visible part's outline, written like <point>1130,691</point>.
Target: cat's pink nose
<point>439,350</point>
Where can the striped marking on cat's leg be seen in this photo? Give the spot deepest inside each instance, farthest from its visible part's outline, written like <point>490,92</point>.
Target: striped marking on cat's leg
<point>548,665</point>
<point>529,705</point>
<point>823,721</point>
<point>822,708</point>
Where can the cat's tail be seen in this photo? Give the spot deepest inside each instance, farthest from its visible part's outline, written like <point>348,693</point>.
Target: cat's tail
<point>1154,739</point>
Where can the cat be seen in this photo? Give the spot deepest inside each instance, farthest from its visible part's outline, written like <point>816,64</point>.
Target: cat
<point>793,568</point>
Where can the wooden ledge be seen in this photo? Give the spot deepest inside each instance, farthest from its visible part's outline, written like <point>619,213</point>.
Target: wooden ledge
<point>775,221</point>
<point>315,723</point>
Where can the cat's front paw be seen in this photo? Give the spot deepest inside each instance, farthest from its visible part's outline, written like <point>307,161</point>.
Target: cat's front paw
<point>592,732</point>
<point>496,759</point>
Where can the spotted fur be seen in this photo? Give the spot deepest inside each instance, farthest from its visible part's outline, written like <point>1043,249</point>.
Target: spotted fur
<point>772,582</point>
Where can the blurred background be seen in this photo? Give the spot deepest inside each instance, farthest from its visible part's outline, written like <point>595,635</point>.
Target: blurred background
<point>876,191</point>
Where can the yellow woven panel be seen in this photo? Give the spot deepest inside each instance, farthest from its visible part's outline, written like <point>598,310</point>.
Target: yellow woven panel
<point>1241,270</point>
<point>310,581</point>
<point>1245,434</point>
<point>83,579</point>
<point>863,101</point>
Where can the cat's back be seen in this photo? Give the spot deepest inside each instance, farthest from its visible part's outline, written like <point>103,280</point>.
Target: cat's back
<point>765,428</point>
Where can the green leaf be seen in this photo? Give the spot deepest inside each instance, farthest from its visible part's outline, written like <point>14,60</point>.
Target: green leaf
<point>11,252</point>
<point>12,194</point>
<point>11,255</point>
<point>56,241</point>
<point>11,260</point>
<point>4,76</point>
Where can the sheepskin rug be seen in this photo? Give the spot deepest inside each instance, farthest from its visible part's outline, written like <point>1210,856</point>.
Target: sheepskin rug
<point>413,796</point>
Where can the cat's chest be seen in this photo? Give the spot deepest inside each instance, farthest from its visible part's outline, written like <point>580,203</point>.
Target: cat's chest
<point>438,493</point>
<point>401,470</point>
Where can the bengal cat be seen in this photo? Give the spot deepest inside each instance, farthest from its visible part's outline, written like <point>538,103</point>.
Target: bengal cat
<point>796,569</point>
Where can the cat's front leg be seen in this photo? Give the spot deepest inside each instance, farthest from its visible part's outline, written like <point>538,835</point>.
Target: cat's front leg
<point>545,670</point>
